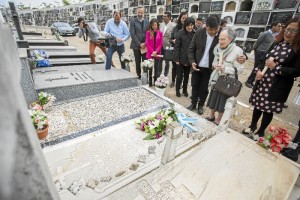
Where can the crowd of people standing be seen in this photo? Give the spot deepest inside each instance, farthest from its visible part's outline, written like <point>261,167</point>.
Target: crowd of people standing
<point>197,48</point>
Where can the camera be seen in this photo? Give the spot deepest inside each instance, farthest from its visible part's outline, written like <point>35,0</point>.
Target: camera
<point>108,41</point>
<point>84,24</point>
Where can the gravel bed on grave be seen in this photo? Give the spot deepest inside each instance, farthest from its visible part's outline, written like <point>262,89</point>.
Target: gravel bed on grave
<point>73,119</point>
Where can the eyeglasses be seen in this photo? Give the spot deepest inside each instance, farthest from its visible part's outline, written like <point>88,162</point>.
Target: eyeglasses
<point>292,31</point>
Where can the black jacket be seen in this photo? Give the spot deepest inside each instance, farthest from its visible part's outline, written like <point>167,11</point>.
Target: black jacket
<point>183,41</point>
<point>174,34</point>
<point>197,47</point>
<point>282,84</point>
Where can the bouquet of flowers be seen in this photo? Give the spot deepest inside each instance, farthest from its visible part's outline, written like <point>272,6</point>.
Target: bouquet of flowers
<point>127,58</point>
<point>46,99</point>
<point>102,58</point>
<point>156,125</point>
<point>162,82</point>
<point>276,140</point>
<point>147,64</point>
<point>39,119</point>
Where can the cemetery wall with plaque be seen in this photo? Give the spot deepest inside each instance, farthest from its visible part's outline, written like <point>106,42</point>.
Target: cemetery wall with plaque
<point>258,14</point>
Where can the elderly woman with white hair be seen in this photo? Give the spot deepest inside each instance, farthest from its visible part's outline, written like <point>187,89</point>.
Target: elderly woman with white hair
<point>225,63</point>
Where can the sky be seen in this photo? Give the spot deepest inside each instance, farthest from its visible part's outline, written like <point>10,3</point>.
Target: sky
<point>34,3</point>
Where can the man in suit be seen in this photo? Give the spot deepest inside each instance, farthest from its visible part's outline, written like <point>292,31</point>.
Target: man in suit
<point>200,55</point>
<point>166,28</point>
<point>138,28</point>
<point>260,47</point>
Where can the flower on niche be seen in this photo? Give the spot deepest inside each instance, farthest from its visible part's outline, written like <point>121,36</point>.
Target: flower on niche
<point>276,140</point>
<point>156,126</point>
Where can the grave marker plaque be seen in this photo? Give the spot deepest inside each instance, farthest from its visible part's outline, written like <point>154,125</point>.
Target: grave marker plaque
<point>176,9</point>
<point>184,6</point>
<point>283,4</point>
<point>280,17</point>
<point>240,43</point>
<point>242,17</point>
<point>249,46</point>
<point>175,2</point>
<point>146,9</point>
<point>240,32</point>
<point>216,6</point>
<point>216,15</point>
<point>255,32</point>
<point>204,7</point>
<point>184,1</point>
<point>263,5</point>
<point>168,8</point>
<point>152,9</point>
<point>260,18</point>
<point>203,16</point>
<point>229,19</point>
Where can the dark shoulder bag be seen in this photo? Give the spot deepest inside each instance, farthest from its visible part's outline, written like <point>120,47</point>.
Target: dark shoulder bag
<point>229,86</point>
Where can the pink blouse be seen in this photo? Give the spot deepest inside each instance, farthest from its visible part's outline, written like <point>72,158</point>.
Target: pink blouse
<point>150,43</point>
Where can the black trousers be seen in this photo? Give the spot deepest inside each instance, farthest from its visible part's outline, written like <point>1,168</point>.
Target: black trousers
<point>183,73</point>
<point>200,81</point>
<point>259,59</point>
<point>138,57</point>
<point>174,73</point>
<point>297,137</point>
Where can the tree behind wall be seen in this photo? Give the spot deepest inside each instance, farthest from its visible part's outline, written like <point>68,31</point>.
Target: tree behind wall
<point>65,2</point>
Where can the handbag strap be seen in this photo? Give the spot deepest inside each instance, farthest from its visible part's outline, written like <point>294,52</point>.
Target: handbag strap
<point>235,73</point>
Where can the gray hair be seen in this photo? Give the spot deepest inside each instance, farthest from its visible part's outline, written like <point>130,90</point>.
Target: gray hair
<point>140,6</point>
<point>231,32</point>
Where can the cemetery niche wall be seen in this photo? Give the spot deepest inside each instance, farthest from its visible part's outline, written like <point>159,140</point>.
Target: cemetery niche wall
<point>256,13</point>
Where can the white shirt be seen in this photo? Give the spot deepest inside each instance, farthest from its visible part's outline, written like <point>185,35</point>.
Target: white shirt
<point>204,62</point>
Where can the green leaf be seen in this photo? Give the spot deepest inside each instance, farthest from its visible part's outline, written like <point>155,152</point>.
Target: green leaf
<point>148,137</point>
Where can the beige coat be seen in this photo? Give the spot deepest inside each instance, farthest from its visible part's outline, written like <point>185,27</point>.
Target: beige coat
<point>167,33</point>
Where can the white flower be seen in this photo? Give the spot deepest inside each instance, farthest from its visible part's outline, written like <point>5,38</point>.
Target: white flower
<point>156,122</point>
<point>266,143</point>
<point>102,58</point>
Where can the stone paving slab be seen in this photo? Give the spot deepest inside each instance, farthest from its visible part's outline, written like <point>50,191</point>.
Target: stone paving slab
<point>107,152</point>
<point>53,48</point>
<point>228,166</point>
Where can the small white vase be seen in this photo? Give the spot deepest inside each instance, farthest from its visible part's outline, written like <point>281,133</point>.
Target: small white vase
<point>160,91</point>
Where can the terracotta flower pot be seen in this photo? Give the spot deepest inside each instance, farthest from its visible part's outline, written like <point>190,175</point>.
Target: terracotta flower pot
<point>42,134</point>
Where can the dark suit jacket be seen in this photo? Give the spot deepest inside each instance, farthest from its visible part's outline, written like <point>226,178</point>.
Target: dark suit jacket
<point>197,47</point>
<point>138,34</point>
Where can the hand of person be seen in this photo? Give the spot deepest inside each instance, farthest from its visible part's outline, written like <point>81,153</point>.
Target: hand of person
<point>142,45</point>
<point>219,68</point>
<point>259,75</point>
<point>194,67</point>
<point>241,59</point>
<point>154,53</point>
<point>174,41</point>
<point>119,40</point>
<point>177,63</point>
<point>81,25</point>
<point>270,63</point>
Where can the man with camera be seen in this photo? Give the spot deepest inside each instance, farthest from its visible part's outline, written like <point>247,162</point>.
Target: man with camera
<point>90,30</point>
<point>118,29</point>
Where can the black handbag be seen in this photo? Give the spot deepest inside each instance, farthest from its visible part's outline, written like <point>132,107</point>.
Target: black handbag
<point>169,54</point>
<point>229,86</point>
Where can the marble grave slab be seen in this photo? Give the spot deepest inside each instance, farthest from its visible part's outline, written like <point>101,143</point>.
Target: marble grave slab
<point>227,166</point>
<point>70,82</point>
<point>104,157</point>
